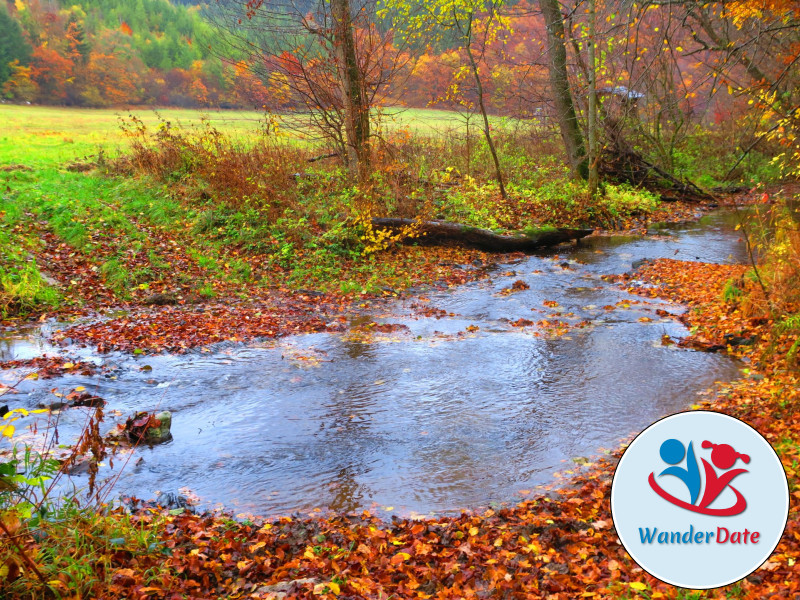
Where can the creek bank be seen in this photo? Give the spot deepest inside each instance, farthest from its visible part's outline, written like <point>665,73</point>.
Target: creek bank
<point>558,544</point>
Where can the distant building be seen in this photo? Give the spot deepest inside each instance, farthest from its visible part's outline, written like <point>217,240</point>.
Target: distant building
<point>619,100</point>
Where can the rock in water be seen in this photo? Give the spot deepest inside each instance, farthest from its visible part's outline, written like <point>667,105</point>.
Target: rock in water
<point>150,428</point>
<point>173,500</point>
<point>160,433</point>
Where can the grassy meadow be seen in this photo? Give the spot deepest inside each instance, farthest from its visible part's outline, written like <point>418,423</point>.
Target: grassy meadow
<point>64,182</point>
<point>247,210</point>
<point>44,135</point>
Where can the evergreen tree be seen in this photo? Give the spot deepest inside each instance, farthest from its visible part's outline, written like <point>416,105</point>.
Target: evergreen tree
<point>13,45</point>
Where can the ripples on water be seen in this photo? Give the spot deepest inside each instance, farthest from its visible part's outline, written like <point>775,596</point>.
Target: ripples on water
<point>425,422</point>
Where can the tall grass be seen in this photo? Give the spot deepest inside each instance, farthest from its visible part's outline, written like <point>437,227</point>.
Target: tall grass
<point>60,544</point>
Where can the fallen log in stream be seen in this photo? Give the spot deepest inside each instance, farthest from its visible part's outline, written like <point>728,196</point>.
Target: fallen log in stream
<point>444,231</point>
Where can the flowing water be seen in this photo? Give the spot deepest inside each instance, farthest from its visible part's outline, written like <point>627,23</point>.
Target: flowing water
<point>434,418</point>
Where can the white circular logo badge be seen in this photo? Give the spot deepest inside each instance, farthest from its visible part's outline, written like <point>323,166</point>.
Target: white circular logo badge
<point>700,500</point>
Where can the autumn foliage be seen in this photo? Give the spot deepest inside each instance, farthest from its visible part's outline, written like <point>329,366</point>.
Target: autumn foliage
<point>80,55</point>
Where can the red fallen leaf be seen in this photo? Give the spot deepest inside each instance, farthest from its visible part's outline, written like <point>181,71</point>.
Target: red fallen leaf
<point>701,344</point>
<point>521,323</point>
<point>85,399</point>
<point>124,577</point>
<point>399,558</point>
<point>141,420</point>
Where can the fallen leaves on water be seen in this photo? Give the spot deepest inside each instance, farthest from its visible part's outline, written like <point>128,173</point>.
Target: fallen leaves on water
<point>517,286</point>
<point>178,329</point>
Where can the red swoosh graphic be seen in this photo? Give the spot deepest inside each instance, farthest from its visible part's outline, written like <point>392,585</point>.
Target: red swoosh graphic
<point>737,508</point>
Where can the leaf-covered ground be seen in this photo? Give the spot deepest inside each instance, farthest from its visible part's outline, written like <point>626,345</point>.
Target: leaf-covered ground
<point>560,545</point>
<point>192,299</point>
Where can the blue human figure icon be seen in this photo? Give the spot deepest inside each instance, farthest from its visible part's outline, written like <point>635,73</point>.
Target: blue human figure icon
<point>672,453</point>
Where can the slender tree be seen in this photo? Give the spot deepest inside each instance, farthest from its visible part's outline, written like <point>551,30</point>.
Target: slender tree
<point>562,94</point>
<point>333,56</point>
<point>472,25</point>
<point>593,156</point>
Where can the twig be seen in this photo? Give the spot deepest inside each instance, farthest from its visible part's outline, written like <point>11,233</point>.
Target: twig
<point>323,157</point>
<point>751,256</point>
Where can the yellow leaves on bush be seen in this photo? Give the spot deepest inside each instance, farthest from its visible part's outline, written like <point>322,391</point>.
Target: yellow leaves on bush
<point>785,130</point>
<point>377,239</point>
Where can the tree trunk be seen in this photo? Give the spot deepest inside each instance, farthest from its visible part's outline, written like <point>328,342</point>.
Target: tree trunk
<point>562,95</point>
<point>486,132</point>
<point>593,154</point>
<point>437,231</point>
<point>356,105</point>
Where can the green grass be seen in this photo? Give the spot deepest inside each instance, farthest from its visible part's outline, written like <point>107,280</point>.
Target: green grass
<point>45,135</point>
<point>432,121</point>
<point>77,542</point>
<point>96,215</point>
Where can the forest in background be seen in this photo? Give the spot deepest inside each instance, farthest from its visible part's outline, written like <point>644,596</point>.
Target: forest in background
<point>101,53</point>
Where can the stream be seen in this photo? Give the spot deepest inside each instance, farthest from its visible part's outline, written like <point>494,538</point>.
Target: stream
<point>434,418</point>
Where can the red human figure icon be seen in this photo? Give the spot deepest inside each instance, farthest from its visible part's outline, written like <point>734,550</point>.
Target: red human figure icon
<point>724,457</point>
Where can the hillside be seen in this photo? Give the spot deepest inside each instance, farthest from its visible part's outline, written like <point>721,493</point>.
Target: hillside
<point>99,53</point>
